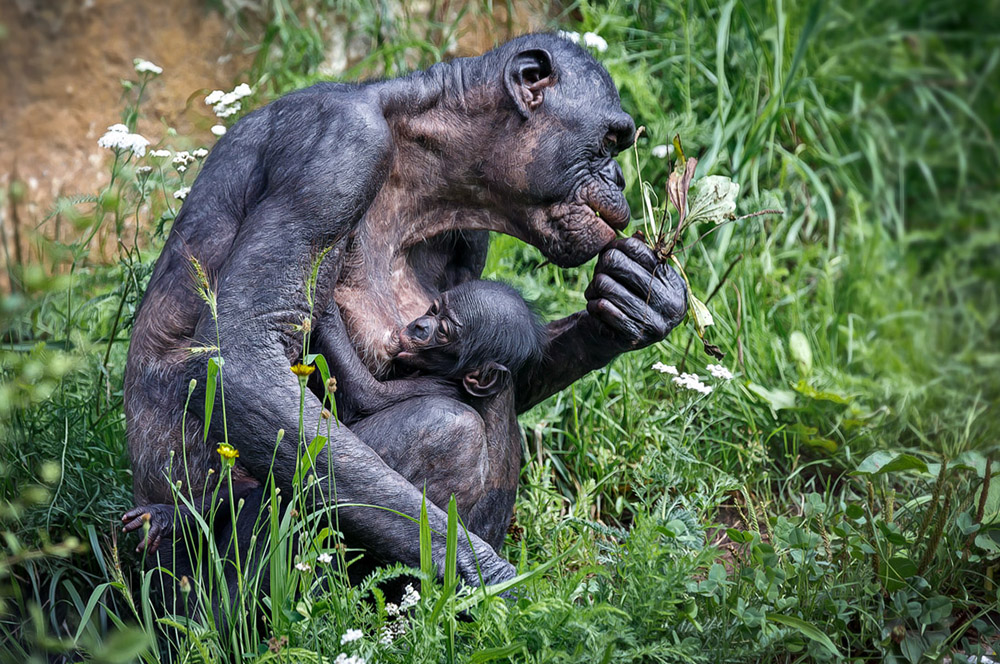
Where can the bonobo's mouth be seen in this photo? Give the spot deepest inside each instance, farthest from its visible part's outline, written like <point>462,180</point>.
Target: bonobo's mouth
<point>572,232</point>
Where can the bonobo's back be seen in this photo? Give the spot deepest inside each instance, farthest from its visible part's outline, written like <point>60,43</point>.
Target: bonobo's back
<point>236,176</point>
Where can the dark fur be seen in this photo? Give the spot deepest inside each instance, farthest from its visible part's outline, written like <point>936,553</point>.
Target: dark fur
<point>401,178</point>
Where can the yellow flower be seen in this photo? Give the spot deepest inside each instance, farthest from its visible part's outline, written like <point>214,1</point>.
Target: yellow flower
<point>302,370</point>
<point>227,451</point>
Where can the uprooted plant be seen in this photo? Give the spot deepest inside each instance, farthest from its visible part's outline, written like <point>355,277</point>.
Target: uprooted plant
<point>711,199</point>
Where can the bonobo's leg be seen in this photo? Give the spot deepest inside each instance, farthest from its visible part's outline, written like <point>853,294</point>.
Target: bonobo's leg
<point>443,446</point>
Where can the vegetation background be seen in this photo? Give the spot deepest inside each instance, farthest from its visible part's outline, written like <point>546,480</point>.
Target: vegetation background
<point>831,502</point>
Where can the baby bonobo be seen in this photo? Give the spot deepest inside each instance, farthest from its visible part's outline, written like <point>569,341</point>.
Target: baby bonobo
<point>470,343</point>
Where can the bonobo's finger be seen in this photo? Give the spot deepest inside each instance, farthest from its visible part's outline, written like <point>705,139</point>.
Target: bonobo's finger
<point>649,286</point>
<point>136,522</point>
<point>632,305</point>
<point>135,512</point>
<point>636,250</point>
<point>151,542</point>
<point>612,317</point>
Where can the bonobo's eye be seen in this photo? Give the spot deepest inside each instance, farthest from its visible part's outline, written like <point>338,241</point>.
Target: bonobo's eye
<point>434,308</point>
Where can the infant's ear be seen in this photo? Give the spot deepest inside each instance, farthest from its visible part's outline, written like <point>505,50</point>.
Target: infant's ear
<point>487,381</point>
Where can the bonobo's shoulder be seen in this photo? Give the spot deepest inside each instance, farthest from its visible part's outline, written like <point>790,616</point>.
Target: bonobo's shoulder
<point>339,113</point>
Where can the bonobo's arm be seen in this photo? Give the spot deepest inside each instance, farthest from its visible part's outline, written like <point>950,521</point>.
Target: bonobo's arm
<point>359,393</point>
<point>633,301</point>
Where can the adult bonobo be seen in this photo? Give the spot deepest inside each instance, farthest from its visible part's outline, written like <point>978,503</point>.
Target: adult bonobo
<point>402,178</point>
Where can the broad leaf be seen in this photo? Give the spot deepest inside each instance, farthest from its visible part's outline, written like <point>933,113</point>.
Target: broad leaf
<point>777,399</point>
<point>882,462</point>
<point>713,199</point>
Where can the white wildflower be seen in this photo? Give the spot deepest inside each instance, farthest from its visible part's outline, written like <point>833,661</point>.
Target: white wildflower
<point>595,41</point>
<point>391,609</point>
<point>350,635</point>
<point>146,67</point>
<point>303,567</point>
<point>214,97</point>
<point>571,36</point>
<point>200,153</point>
<point>662,151</point>
<point>410,598</point>
<point>242,90</point>
<point>182,193</point>
<point>665,368</point>
<point>159,154</point>
<point>720,372</point>
<point>219,130</point>
<point>182,160</point>
<point>118,137</point>
<point>692,382</point>
<point>324,558</point>
<point>223,110</point>
<point>344,658</point>
<point>143,170</point>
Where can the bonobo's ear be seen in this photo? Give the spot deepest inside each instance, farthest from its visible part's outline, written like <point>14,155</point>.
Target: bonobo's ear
<point>528,74</point>
<point>487,381</point>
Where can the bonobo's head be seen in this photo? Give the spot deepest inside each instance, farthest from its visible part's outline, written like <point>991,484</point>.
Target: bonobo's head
<point>549,165</point>
<point>478,332</point>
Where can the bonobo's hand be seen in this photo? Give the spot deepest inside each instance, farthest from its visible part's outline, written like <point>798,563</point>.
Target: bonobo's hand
<point>161,524</point>
<point>636,299</point>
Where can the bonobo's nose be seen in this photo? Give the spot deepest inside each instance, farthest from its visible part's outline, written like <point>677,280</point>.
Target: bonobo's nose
<point>612,172</point>
<point>420,329</point>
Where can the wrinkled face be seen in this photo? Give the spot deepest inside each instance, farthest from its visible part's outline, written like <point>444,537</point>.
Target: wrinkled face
<point>430,344</point>
<point>553,168</point>
<point>468,327</point>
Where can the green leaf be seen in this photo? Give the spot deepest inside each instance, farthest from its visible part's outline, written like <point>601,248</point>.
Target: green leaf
<point>501,652</point>
<point>426,559</point>
<point>882,462</point>
<point>935,610</point>
<point>798,345</point>
<point>896,571</point>
<point>214,366</point>
<point>776,399</point>
<point>738,536</point>
<point>307,460</point>
<point>807,390</point>
<point>713,200</point>
<point>808,630</point>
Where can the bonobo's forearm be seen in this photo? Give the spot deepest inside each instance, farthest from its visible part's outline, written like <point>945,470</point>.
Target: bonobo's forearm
<point>576,347</point>
<point>632,301</point>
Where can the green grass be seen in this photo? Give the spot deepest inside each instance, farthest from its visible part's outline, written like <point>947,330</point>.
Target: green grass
<point>861,322</point>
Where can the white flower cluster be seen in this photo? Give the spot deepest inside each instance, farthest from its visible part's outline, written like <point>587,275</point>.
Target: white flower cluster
<point>225,104</point>
<point>219,130</point>
<point>350,635</point>
<point>344,658</point>
<point>691,381</point>
<point>410,598</point>
<point>147,67</point>
<point>662,151</point>
<point>303,567</point>
<point>199,153</point>
<point>182,193</point>
<point>589,39</point>
<point>159,154</point>
<point>720,372</point>
<point>118,137</point>
<point>397,627</point>
<point>666,368</point>
<point>182,160</point>
<point>324,558</point>
<point>143,170</point>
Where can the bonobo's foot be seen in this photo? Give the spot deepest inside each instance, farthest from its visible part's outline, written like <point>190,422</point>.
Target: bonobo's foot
<point>161,524</point>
